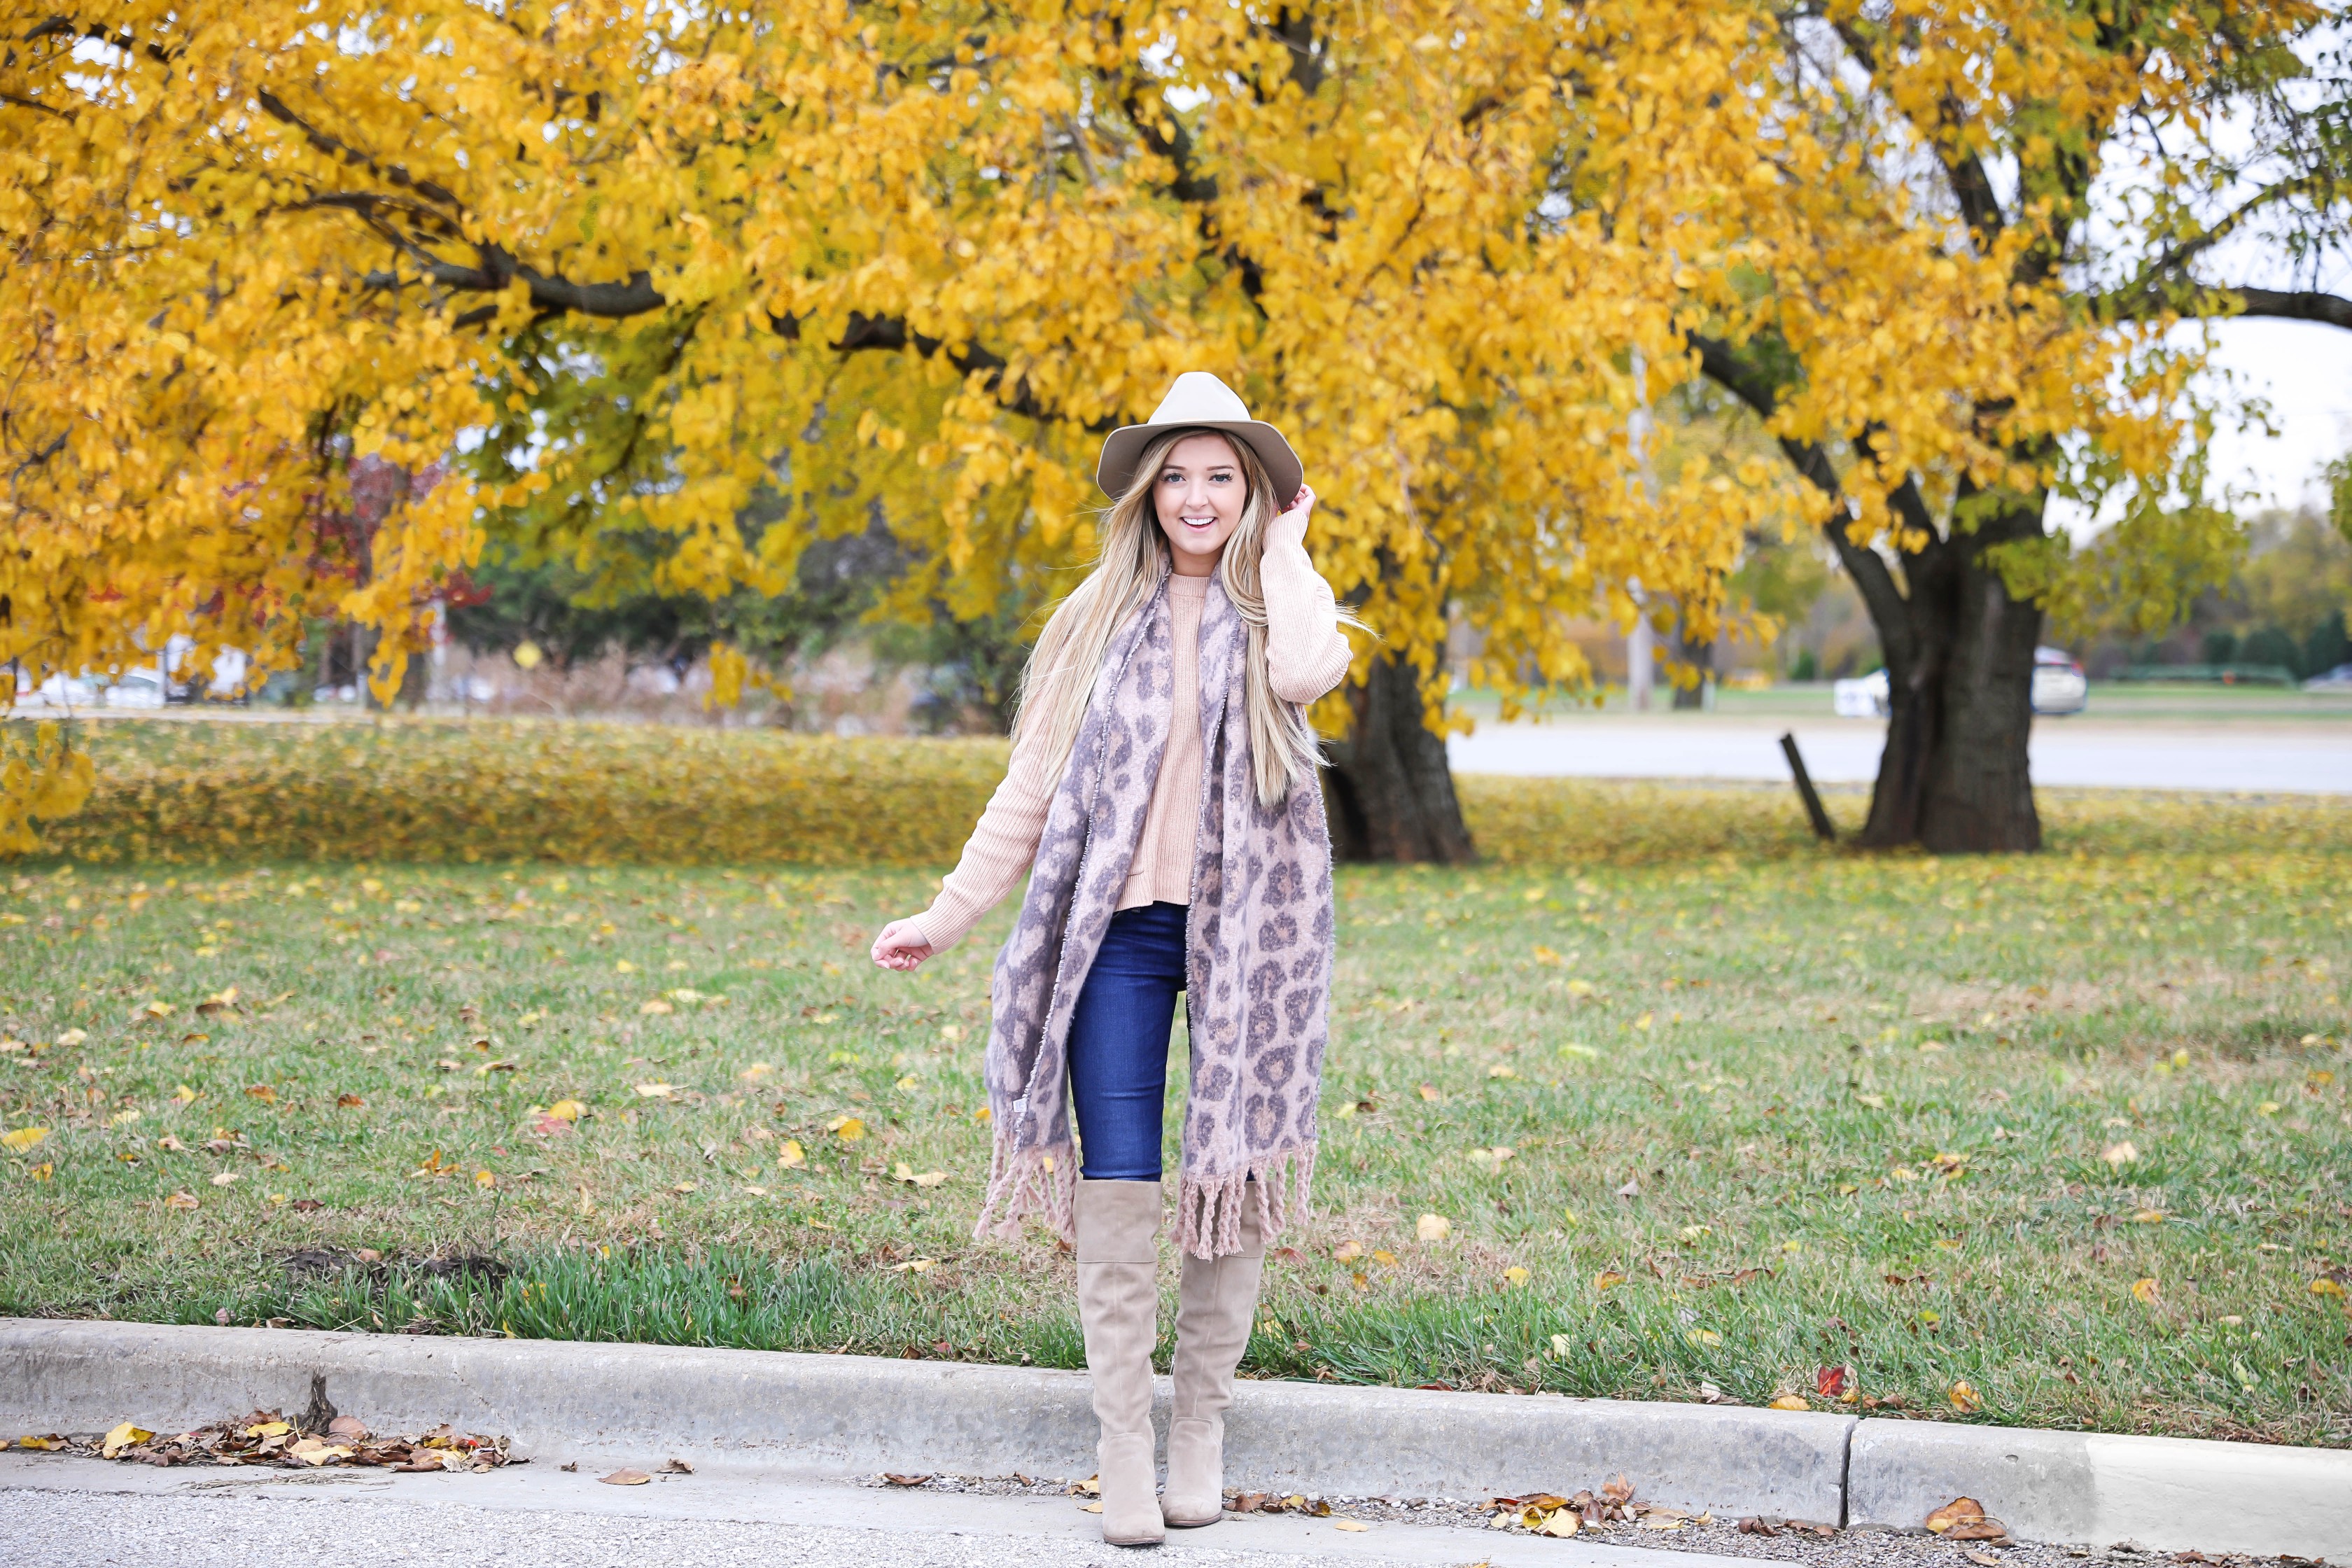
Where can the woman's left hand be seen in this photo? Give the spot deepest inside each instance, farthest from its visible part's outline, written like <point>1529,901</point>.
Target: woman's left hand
<point>1290,528</point>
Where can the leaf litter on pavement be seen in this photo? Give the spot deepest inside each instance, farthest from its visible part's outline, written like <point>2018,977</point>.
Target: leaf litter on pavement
<point>267,1438</point>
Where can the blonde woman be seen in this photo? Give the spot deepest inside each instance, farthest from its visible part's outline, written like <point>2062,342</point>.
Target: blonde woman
<point>1162,796</point>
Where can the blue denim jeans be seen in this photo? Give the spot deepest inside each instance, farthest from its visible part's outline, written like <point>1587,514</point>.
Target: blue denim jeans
<point>1119,1043</point>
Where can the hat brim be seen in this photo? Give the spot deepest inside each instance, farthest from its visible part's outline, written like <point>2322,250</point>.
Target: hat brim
<point>1123,449</point>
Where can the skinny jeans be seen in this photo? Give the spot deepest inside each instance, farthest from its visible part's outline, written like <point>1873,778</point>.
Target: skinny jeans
<point>1119,1032</point>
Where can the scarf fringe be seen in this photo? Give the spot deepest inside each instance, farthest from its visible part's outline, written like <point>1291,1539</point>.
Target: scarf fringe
<point>1040,1183</point>
<point>1209,1209</point>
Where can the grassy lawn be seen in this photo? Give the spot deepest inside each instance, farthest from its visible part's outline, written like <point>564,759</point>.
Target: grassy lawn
<point>2060,1141</point>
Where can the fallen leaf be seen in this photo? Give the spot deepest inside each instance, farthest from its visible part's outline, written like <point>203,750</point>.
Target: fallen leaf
<point>914,1266</point>
<point>1982,1559</point>
<point>124,1437</point>
<point>1964,1397</point>
<point>2146,1290</point>
<point>1661,1520</point>
<point>1350,1525</point>
<point>1563,1523</point>
<point>658,1091</point>
<point>1348,1251</point>
<point>22,1139</point>
<point>755,1072</point>
<point>45,1444</point>
<point>790,1155</point>
<point>1831,1382</point>
<point>1090,1508</point>
<point>1429,1091</point>
<point>1432,1228</point>
<point>674,1467</point>
<point>848,1128</point>
<point>1631,1189</point>
<point>1959,1510</point>
<point>263,1092</point>
<point>1608,1279</point>
<point>226,1179</point>
<point>2119,1154</point>
<point>657,1007</point>
<point>626,1477</point>
<point>1383,1254</point>
<point>2149,1216</point>
<point>181,1201</point>
<point>1515,1275</point>
<point>904,1480</point>
<point>347,1429</point>
<point>2323,1286</point>
<point>1789,1402</point>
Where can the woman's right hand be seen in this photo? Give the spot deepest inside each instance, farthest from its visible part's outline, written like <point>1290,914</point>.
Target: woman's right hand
<point>901,945</point>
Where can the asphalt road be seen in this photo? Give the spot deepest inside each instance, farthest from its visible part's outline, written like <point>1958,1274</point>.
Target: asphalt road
<point>2313,758</point>
<point>60,1511</point>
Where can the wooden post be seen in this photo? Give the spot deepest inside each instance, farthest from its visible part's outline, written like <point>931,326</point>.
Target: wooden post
<point>1823,828</point>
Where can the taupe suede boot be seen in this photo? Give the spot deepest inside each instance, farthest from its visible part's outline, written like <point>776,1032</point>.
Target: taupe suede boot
<point>1118,1303</point>
<point>1213,1310</point>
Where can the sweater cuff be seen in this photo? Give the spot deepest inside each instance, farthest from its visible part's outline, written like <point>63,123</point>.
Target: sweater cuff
<point>942,928</point>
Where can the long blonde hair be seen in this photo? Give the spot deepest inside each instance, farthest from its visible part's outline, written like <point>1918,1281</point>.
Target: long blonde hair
<point>1061,675</point>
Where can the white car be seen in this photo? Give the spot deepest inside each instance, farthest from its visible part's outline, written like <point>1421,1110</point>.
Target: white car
<point>1864,697</point>
<point>137,689</point>
<point>2060,686</point>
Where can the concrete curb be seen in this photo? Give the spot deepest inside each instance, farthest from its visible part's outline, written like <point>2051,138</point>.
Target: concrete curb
<point>2170,1493</point>
<point>854,1416</point>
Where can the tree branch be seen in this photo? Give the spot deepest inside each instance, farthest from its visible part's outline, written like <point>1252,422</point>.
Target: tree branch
<point>1888,610</point>
<point>275,106</point>
<point>2199,301</point>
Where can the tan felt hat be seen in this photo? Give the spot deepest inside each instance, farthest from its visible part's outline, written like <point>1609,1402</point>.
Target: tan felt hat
<point>1199,400</point>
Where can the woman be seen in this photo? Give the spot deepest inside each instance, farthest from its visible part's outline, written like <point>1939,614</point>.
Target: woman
<point>1162,795</point>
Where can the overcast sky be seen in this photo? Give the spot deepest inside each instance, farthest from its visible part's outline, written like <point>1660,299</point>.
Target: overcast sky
<point>2305,372</point>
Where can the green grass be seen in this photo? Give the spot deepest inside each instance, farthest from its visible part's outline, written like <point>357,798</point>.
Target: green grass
<point>1806,1073</point>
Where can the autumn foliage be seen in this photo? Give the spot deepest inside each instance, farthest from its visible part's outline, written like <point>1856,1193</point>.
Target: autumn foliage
<point>602,277</point>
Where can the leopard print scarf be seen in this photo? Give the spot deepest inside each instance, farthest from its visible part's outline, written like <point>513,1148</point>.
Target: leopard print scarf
<point>1258,980</point>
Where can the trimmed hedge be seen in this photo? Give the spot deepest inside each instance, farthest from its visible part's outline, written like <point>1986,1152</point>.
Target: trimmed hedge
<point>429,790</point>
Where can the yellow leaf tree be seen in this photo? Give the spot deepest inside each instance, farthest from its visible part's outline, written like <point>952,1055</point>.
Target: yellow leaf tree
<point>634,270</point>
<point>1992,222</point>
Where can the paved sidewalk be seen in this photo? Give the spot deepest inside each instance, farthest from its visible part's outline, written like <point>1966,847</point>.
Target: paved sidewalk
<point>59,1509</point>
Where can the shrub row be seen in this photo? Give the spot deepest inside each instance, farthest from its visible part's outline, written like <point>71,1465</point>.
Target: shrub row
<point>426,790</point>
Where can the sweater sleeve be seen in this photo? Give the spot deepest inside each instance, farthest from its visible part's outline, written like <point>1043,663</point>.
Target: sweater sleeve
<point>1306,653</point>
<point>1000,851</point>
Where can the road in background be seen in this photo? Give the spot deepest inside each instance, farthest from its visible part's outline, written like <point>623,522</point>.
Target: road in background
<point>2279,742</point>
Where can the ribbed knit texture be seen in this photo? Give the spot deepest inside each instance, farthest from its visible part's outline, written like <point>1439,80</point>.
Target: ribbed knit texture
<point>1161,871</point>
<point>1307,655</point>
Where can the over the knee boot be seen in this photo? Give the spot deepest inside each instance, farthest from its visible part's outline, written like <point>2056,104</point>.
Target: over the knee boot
<point>1118,1300</point>
<point>1213,1312</point>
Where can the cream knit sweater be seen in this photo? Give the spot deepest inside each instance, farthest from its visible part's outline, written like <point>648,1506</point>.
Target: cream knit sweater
<point>1306,655</point>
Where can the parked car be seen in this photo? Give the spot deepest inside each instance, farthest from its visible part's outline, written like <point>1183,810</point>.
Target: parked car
<point>2338,679</point>
<point>1864,697</point>
<point>137,689</point>
<point>2060,687</point>
<point>64,693</point>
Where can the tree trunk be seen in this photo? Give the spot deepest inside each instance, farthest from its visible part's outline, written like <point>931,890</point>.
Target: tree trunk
<point>1388,790</point>
<point>1700,657</point>
<point>1954,777</point>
